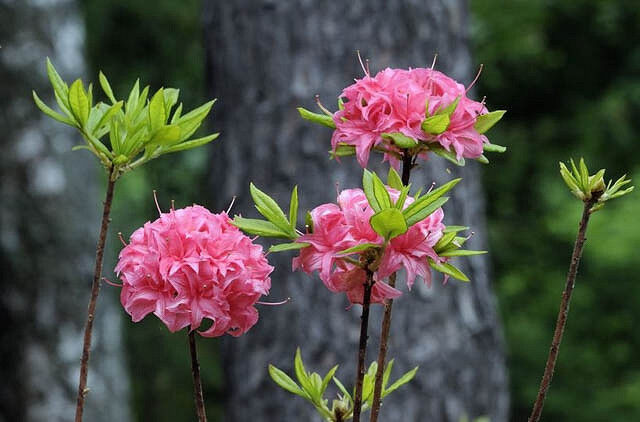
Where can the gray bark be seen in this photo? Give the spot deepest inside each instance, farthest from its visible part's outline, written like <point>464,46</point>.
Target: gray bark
<point>49,222</point>
<point>264,59</point>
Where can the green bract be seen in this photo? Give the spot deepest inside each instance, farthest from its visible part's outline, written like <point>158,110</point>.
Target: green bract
<point>589,187</point>
<point>138,129</point>
<point>311,386</point>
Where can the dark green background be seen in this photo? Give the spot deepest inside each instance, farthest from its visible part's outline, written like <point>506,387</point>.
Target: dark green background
<point>569,74</point>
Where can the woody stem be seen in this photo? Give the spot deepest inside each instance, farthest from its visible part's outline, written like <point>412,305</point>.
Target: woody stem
<point>362,349</point>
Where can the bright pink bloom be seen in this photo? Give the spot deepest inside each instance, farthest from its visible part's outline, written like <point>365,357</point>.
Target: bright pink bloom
<point>394,100</point>
<point>191,265</point>
<point>342,226</point>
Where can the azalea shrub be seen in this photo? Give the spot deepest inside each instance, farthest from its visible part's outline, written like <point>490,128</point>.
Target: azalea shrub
<point>200,272</point>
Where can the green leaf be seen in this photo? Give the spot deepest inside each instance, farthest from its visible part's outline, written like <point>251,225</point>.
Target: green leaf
<point>448,110</point>
<point>400,139</point>
<point>176,114</point>
<point>389,223</point>
<point>285,382</point>
<point>394,180</point>
<point>493,148</point>
<point>436,124</point>
<point>400,382</point>
<point>455,229</point>
<point>106,88</point>
<point>444,241</point>
<point>59,86</point>
<point>461,252</point>
<point>288,246</point>
<point>403,197</point>
<point>293,208</point>
<point>166,135</point>
<point>387,374</point>
<point>448,269</point>
<point>342,388</point>
<point>380,192</point>
<point>448,155</point>
<point>316,118</point>
<point>79,102</point>
<point>343,150</point>
<point>420,213</point>
<point>170,99</point>
<point>191,144</point>
<point>301,373</point>
<point>482,159</point>
<point>327,378</point>
<point>191,121</point>
<point>134,95</point>
<point>359,248</point>
<point>270,210</point>
<point>259,227</point>
<point>157,112</point>
<point>106,116</point>
<point>484,122</point>
<point>367,185</point>
<point>50,112</point>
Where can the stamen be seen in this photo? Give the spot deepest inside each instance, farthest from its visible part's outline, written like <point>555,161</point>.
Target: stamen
<point>364,69</point>
<point>476,79</point>
<point>233,200</point>
<point>173,205</point>
<point>323,108</point>
<point>106,280</point>
<point>433,184</point>
<point>122,239</point>
<point>433,64</point>
<point>287,300</point>
<point>155,198</point>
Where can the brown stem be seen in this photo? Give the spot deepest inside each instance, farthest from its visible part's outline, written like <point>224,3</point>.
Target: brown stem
<point>362,349</point>
<point>95,289</point>
<point>407,165</point>
<point>563,313</point>
<point>197,384</point>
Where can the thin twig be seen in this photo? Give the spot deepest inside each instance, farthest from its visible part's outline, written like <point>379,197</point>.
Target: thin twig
<point>563,313</point>
<point>197,384</point>
<point>362,349</point>
<point>407,165</point>
<point>95,289</point>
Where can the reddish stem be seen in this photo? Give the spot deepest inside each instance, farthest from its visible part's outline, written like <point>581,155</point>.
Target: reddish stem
<point>197,384</point>
<point>95,289</point>
<point>563,313</point>
<point>362,349</point>
<point>407,165</point>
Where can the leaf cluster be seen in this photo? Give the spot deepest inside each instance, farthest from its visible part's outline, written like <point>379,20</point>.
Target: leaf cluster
<point>587,187</point>
<point>312,387</point>
<point>125,134</point>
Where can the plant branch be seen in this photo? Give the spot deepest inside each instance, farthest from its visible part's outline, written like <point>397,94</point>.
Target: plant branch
<point>95,289</point>
<point>362,349</point>
<point>564,311</point>
<point>407,165</point>
<point>197,384</point>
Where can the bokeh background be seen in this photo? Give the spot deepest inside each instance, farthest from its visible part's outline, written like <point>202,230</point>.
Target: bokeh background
<point>569,74</point>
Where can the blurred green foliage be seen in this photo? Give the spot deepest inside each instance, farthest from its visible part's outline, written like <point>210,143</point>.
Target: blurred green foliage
<point>568,72</point>
<point>160,43</point>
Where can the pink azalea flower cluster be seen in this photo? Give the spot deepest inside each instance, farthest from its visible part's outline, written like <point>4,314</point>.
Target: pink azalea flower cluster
<point>345,225</point>
<point>189,265</point>
<point>394,100</point>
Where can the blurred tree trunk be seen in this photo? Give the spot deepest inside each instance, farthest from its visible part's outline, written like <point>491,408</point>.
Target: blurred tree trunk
<point>267,57</point>
<point>49,220</point>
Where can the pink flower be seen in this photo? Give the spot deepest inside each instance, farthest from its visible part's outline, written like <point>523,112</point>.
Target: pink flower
<point>191,265</point>
<point>394,100</point>
<point>342,226</point>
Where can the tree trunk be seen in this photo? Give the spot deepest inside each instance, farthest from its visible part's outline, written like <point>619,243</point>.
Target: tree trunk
<point>264,59</point>
<point>50,216</point>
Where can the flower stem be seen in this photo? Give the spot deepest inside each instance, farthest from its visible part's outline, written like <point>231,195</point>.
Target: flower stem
<point>197,384</point>
<point>563,313</point>
<point>95,289</point>
<point>407,165</point>
<point>362,349</point>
